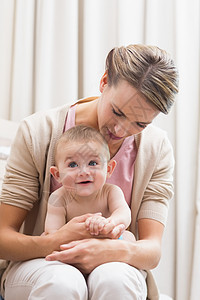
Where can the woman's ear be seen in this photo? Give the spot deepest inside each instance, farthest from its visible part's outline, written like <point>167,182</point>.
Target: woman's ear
<point>111,166</point>
<point>103,81</point>
<point>54,171</point>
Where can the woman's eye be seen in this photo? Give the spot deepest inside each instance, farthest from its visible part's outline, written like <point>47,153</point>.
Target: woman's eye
<point>141,125</point>
<point>92,163</point>
<point>116,113</point>
<point>73,164</point>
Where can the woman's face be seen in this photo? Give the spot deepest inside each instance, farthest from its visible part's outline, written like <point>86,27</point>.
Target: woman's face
<point>122,111</point>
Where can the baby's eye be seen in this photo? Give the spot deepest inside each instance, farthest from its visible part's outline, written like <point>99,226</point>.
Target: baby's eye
<point>73,164</point>
<point>92,163</point>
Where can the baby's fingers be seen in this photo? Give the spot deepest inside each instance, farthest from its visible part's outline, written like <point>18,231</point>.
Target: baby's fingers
<point>90,219</point>
<point>87,223</point>
<point>96,225</point>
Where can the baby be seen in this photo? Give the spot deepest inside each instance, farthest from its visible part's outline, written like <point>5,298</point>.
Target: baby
<point>82,165</point>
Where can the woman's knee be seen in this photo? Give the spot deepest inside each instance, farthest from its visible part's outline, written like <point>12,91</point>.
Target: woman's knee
<point>39,279</point>
<point>116,281</point>
<point>64,281</point>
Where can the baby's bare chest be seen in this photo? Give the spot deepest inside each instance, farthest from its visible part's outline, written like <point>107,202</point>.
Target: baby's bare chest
<point>74,208</point>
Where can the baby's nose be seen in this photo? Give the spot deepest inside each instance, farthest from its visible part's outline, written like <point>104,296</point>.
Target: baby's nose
<point>84,170</point>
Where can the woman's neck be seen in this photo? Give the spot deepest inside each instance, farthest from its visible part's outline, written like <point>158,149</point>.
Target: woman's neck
<point>86,114</point>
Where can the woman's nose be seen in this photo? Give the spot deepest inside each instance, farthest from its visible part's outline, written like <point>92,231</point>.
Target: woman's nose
<point>120,130</point>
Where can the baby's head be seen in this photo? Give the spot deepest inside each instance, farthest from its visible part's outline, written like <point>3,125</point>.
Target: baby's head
<point>83,136</point>
<point>82,160</point>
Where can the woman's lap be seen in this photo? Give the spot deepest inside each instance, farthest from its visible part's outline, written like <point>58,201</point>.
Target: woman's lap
<point>39,279</point>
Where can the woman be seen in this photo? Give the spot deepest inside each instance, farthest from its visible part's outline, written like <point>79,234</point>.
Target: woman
<point>139,83</point>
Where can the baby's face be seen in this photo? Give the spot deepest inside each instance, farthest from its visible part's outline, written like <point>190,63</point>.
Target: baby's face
<point>82,167</point>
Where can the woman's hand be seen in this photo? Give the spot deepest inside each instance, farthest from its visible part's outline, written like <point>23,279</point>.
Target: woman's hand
<point>87,254</point>
<point>75,228</point>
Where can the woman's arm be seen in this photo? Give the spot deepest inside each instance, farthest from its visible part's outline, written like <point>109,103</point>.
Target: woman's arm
<point>89,253</point>
<point>19,247</point>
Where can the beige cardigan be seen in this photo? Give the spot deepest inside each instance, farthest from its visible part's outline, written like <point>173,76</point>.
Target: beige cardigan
<point>27,178</point>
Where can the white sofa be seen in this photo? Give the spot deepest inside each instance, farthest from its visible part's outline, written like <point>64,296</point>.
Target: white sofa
<point>8,130</point>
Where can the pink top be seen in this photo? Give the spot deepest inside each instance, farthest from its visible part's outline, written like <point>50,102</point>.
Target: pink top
<point>125,158</point>
<point>124,170</point>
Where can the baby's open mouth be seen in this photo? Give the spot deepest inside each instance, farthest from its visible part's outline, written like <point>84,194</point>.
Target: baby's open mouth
<point>85,182</point>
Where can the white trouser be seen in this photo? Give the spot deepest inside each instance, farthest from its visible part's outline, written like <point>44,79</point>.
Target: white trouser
<point>39,279</point>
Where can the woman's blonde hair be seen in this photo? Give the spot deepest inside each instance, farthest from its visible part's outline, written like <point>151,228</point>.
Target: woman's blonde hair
<point>147,68</point>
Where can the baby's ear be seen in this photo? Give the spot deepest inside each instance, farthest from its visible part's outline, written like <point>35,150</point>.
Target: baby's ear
<point>111,166</point>
<point>54,171</point>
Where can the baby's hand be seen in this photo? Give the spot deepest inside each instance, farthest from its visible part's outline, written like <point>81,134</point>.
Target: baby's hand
<point>95,224</point>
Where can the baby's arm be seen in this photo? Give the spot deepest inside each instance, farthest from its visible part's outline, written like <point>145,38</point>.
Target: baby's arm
<point>120,214</point>
<point>56,213</point>
<point>118,207</point>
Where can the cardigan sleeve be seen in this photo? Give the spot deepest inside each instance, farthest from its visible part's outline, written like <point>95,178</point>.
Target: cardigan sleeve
<point>153,177</point>
<point>27,176</point>
<point>21,182</point>
<point>159,190</point>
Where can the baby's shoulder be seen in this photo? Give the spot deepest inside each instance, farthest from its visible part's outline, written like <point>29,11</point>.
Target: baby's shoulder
<point>108,187</point>
<point>58,196</point>
<point>58,192</point>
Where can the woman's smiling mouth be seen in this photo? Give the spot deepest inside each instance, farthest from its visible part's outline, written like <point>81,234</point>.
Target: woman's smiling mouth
<point>112,136</point>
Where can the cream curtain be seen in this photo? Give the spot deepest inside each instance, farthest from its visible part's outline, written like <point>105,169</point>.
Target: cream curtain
<point>187,152</point>
<point>53,52</point>
<point>39,55</point>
